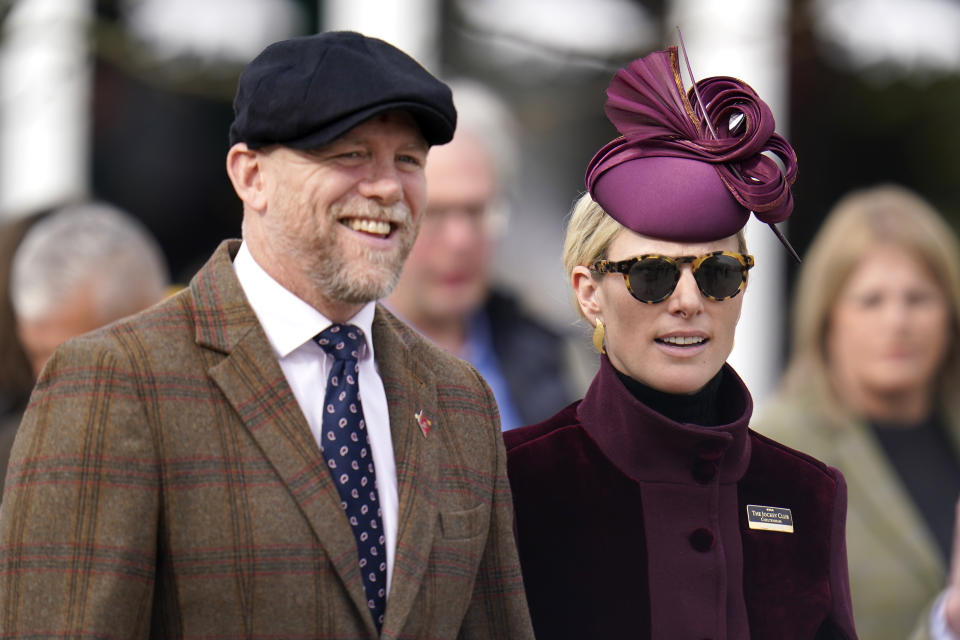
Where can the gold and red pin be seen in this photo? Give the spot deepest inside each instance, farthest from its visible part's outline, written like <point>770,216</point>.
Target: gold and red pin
<point>423,422</point>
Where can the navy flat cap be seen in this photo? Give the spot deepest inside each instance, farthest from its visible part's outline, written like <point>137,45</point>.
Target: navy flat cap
<point>308,91</point>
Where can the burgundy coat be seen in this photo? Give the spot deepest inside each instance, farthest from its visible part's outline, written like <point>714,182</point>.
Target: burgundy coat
<point>630,525</point>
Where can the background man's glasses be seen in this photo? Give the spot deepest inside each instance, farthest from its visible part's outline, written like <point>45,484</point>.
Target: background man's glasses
<point>488,218</point>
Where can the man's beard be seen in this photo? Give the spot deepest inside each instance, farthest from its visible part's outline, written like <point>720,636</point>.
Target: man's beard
<point>370,274</point>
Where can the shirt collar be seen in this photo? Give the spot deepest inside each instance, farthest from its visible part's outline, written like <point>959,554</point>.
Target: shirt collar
<point>288,321</point>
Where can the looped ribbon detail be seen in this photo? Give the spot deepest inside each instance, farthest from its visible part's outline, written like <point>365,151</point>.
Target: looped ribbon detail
<point>647,104</point>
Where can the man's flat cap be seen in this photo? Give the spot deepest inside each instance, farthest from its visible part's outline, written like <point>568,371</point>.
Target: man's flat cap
<point>308,91</point>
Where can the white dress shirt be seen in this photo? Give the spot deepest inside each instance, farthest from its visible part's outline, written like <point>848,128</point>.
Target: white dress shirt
<point>290,325</point>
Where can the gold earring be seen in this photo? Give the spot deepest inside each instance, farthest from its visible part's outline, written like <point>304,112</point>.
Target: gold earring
<point>598,335</point>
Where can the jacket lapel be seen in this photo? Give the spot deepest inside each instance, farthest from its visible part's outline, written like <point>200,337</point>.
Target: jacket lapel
<point>254,385</point>
<point>410,385</point>
<point>885,505</point>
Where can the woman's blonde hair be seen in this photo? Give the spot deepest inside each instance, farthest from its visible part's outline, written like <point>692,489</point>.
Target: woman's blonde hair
<point>862,220</point>
<point>590,230</point>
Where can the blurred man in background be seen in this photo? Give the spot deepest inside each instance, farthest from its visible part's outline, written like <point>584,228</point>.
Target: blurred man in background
<point>445,289</point>
<point>76,269</point>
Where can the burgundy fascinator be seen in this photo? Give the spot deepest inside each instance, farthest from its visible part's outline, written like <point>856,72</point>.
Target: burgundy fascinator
<point>690,167</point>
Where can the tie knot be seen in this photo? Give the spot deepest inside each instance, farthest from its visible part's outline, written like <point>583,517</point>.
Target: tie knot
<point>342,341</point>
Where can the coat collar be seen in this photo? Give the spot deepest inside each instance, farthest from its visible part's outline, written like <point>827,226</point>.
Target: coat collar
<point>646,445</point>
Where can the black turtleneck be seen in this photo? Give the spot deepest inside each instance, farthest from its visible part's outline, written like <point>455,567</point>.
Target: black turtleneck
<point>923,456</point>
<point>700,408</point>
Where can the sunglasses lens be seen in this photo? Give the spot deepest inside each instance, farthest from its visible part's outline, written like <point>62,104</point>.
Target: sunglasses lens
<point>720,276</point>
<point>652,279</point>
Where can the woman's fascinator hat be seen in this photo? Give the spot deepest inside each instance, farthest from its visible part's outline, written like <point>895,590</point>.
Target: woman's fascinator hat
<point>690,167</point>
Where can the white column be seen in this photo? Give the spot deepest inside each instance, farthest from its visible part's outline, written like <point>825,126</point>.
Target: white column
<point>411,25</point>
<point>45,89</point>
<point>748,40</point>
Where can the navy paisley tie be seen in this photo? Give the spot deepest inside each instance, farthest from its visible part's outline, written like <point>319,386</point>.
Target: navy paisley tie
<point>346,447</point>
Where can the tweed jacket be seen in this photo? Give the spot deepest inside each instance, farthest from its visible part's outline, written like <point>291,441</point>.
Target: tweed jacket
<point>896,568</point>
<point>164,483</point>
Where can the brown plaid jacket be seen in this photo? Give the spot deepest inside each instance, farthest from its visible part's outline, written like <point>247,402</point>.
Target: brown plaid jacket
<point>164,483</point>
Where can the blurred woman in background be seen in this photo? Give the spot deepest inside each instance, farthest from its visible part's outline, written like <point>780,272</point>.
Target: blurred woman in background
<point>872,389</point>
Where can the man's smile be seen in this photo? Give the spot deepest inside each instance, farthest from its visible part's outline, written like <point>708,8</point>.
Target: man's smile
<point>379,228</point>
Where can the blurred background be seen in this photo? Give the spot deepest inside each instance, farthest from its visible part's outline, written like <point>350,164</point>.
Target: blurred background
<point>129,101</point>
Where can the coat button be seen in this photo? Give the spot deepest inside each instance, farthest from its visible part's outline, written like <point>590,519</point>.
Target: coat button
<point>702,540</point>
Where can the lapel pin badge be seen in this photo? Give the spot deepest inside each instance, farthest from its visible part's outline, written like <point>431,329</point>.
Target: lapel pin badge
<point>769,518</point>
<point>423,422</point>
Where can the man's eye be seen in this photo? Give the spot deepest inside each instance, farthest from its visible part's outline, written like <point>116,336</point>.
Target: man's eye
<point>409,159</point>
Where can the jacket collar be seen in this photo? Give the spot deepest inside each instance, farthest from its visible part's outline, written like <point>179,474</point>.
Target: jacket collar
<point>645,445</point>
<point>222,315</point>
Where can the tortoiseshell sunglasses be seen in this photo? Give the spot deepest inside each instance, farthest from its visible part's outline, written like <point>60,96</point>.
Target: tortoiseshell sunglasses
<point>651,278</point>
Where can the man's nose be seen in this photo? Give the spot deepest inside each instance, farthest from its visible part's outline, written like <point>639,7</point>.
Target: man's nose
<point>382,183</point>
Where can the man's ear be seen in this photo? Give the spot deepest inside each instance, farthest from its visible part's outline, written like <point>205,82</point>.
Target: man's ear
<point>587,290</point>
<point>246,173</point>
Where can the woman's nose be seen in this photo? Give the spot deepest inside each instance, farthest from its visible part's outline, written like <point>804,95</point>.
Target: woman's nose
<point>686,300</point>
